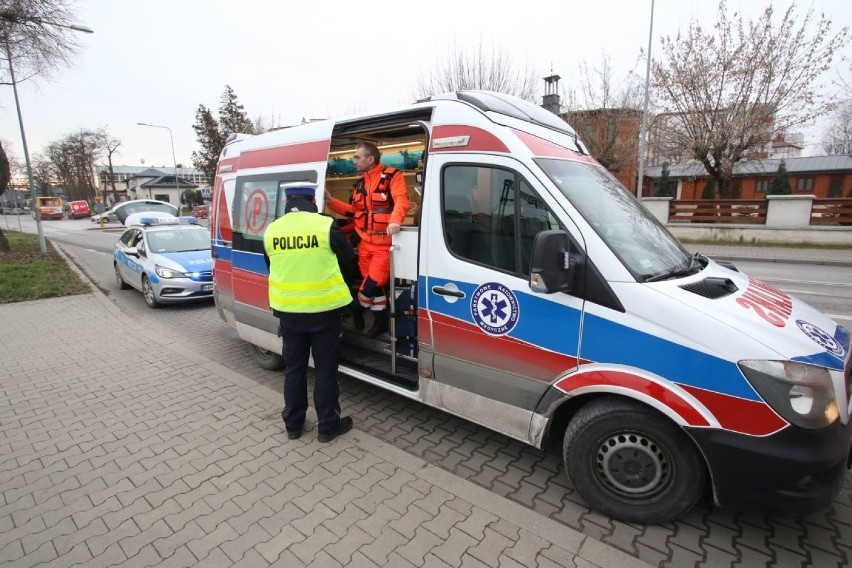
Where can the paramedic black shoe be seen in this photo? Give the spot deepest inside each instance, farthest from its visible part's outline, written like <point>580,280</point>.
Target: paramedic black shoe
<point>343,427</point>
<point>380,325</point>
<point>294,434</point>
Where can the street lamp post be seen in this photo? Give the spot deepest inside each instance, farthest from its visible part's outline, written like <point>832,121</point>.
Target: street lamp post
<point>644,128</point>
<point>174,160</point>
<point>10,18</point>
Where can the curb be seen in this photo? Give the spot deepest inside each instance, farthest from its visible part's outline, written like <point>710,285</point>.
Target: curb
<point>780,260</point>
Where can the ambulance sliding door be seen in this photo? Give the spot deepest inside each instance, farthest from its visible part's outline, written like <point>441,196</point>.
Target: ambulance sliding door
<point>497,345</point>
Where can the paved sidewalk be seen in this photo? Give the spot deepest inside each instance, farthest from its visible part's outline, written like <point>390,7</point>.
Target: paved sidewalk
<point>120,447</point>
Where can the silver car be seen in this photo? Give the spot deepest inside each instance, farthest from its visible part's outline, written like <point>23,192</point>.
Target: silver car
<point>167,259</point>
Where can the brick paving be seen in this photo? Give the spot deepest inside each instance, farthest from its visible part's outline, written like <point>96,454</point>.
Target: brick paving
<point>121,446</point>
<point>492,467</point>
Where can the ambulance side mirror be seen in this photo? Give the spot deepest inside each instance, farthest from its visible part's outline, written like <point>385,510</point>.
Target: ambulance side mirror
<point>552,268</point>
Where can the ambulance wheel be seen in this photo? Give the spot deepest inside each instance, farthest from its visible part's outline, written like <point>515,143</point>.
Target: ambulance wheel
<point>119,281</point>
<point>265,359</point>
<point>148,293</point>
<point>629,462</point>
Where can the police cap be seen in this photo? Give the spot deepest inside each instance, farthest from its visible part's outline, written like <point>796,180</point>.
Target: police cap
<point>299,188</point>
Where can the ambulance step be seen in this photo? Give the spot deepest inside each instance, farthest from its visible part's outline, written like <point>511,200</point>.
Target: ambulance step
<point>379,365</point>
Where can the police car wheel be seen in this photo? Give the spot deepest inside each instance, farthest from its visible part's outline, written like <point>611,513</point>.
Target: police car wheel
<point>265,359</point>
<point>148,293</point>
<point>119,281</point>
<point>631,463</point>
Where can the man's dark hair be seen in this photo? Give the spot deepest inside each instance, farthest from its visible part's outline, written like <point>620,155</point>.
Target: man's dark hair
<point>372,150</point>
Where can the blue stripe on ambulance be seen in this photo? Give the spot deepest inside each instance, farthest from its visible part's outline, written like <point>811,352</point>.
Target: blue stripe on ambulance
<point>615,343</point>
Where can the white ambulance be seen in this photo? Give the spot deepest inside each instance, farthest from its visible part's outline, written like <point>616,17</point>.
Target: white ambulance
<point>535,296</point>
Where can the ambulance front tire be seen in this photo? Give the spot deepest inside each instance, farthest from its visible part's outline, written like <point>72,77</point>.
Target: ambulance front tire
<point>630,463</point>
<point>265,359</point>
<point>148,293</point>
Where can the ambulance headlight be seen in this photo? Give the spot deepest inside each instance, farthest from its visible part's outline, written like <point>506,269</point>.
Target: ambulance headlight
<point>164,272</point>
<point>802,394</point>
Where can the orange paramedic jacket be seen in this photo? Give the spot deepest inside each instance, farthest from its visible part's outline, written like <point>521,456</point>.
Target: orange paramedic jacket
<point>370,214</point>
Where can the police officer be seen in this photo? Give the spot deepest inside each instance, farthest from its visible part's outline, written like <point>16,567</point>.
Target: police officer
<point>378,208</point>
<point>303,250</point>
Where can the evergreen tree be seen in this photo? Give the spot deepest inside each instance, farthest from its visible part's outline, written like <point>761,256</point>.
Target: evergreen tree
<point>781,182</point>
<point>232,115</point>
<point>664,187</point>
<point>709,190</point>
<point>210,139</point>
<point>213,132</point>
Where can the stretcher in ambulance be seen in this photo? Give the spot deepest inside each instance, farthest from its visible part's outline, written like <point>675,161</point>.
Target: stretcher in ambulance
<point>534,295</point>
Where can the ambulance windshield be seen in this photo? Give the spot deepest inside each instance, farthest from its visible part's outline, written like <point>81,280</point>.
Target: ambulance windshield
<point>645,247</point>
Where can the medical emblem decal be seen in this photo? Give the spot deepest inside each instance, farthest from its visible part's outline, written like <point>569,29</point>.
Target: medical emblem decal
<point>494,308</point>
<point>820,337</point>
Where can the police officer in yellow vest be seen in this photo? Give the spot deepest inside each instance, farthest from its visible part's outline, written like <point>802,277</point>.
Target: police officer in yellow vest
<point>303,251</point>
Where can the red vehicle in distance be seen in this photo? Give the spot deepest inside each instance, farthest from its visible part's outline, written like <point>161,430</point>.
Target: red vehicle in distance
<point>200,211</point>
<point>78,210</point>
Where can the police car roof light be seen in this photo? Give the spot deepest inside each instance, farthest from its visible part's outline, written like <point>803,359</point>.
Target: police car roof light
<point>148,221</point>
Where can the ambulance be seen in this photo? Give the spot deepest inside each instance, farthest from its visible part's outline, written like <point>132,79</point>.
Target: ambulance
<point>534,295</point>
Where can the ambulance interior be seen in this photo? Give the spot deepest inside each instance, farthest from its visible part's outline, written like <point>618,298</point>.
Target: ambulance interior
<point>403,146</point>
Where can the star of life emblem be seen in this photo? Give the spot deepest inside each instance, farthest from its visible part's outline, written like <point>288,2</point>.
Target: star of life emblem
<point>494,308</point>
<point>820,337</point>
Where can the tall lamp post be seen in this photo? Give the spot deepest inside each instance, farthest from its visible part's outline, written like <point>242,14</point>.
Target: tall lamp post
<point>643,132</point>
<point>174,160</point>
<point>11,18</point>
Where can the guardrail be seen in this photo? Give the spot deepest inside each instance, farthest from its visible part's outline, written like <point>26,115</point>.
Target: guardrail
<point>736,211</point>
<point>836,211</point>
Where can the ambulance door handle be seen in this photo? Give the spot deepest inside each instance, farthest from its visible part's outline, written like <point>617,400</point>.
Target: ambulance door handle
<point>440,290</point>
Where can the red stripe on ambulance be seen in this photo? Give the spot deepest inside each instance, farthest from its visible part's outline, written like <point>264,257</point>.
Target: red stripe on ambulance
<point>283,155</point>
<point>251,288</point>
<point>466,341</point>
<point>546,149</point>
<point>480,140</point>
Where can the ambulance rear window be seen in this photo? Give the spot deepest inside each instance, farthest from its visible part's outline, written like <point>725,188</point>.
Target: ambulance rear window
<point>516,108</point>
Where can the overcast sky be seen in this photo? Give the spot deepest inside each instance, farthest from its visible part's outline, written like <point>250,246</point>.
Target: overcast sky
<point>155,61</point>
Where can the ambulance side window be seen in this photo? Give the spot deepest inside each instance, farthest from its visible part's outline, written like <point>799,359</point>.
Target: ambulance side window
<point>256,205</point>
<point>482,221</point>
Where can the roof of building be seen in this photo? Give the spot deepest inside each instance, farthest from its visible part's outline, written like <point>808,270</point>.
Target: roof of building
<point>142,170</point>
<point>811,164</point>
<point>168,181</point>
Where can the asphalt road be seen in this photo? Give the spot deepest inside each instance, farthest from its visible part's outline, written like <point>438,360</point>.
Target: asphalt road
<point>705,537</point>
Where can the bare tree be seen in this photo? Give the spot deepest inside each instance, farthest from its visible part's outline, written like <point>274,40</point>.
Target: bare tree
<point>71,161</point>
<point>483,68</point>
<point>607,114</point>
<point>5,177</point>
<point>108,146</point>
<point>725,90</point>
<point>32,36</point>
<point>837,139</point>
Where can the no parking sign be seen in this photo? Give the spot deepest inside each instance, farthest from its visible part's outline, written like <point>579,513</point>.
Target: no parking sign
<point>257,212</point>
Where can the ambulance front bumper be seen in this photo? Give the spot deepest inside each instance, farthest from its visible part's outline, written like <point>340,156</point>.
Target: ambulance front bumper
<point>793,472</point>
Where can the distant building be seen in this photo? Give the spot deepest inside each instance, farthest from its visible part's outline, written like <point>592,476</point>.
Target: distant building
<point>822,176</point>
<point>140,182</point>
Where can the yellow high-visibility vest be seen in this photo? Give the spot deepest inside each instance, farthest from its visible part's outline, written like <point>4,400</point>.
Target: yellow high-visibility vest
<point>304,276</point>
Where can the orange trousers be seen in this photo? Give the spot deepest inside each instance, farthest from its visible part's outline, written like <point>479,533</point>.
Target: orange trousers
<point>374,264</point>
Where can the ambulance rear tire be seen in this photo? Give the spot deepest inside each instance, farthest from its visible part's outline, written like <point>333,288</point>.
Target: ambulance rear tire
<point>119,281</point>
<point>629,462</point>
<point>265,359</point>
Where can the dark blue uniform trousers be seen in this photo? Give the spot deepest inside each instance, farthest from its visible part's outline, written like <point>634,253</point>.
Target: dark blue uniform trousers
<point>318,335</point>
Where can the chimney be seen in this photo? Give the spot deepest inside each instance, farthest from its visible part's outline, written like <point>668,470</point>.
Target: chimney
<point>551,100</point>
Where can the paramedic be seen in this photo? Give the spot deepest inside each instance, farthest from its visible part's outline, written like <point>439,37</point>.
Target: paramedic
<point>379,205</point>
<point>303,250</point>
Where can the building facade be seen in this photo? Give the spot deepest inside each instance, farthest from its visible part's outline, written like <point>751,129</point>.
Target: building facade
<point>821,176</point>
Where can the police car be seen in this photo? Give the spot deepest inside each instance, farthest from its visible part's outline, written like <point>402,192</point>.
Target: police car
<point>165,257</point>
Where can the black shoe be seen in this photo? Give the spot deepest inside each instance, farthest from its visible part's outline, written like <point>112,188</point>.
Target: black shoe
<point>294,434</point>
<point>380,324</point>
<point>343,427</point>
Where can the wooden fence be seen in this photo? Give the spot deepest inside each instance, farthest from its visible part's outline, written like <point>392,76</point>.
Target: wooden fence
<point>832,211</point>
<point>735,211</point>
